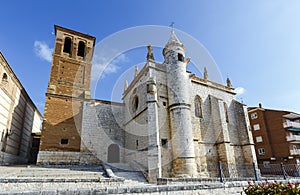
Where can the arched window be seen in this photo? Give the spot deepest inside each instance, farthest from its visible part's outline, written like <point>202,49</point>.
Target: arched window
<point>67,45</point>
<point>135,103</point>
<point>226,112</point>
<point>198,106</point>
<point>81,49</point>
<point>180,57</point>
<point>4,79</point>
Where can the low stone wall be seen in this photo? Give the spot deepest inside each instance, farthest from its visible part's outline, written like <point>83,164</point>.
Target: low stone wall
<point>66,158</point>
<point>57,158</point>
<point>172,181</point>
<point>8,159</point>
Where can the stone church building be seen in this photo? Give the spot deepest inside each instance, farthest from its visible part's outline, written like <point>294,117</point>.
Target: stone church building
<point>171,122</point>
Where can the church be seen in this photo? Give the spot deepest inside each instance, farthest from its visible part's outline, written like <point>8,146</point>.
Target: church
<point>171,122</point>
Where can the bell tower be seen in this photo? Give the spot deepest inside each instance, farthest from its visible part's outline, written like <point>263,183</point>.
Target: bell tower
<point>68,87</point>
<point>184,164</point>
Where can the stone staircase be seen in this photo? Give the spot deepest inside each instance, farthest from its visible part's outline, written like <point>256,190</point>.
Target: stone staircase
<point>87,179</point>
<point>51,172</point>
<point>32,179</point>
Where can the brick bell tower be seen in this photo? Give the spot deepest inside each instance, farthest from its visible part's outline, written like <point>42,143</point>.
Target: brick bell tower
<point>68,87</point>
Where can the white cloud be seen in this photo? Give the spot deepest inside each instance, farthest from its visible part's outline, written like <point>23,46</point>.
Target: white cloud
<point>103,67</point>
<point>43,51</point>
<point>239,90</point>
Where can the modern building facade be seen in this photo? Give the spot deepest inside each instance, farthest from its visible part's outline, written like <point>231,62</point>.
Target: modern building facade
<point>171,123</point>
<point>276,134</point>
<point>19,118</point>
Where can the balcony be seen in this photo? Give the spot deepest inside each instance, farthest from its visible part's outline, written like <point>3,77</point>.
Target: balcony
<point>295,152</point>
<point>292,125</point>
<point>293,138</point>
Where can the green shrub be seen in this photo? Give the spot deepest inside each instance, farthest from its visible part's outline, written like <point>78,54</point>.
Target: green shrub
<point>274,188</point>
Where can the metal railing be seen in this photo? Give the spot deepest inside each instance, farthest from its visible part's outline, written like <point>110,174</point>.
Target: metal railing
<point>291,124</point>
<point>227,172</point>
<point>295,152</point>
<point>282,171</point>
<point>293,138</point>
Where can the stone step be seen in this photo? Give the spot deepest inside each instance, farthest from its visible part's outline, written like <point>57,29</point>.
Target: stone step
<point>52,172</point>
<point>123,170</point>
<point>116,167</point>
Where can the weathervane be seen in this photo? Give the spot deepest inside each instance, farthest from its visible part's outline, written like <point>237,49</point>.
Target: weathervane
<point>172,25</point>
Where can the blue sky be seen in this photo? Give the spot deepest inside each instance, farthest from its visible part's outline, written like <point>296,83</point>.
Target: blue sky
<point>255,43</point>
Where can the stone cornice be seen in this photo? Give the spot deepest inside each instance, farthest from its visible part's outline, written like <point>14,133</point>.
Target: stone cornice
<point>212,84</point>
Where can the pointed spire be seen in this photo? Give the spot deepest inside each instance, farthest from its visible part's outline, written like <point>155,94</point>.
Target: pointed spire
<point>205,74</point>
<point>173,38</point>
<point>136,71</point>
<point>150,55</point>
<point>125,85</point>
<point>173,43</point>
<point>229,85</point>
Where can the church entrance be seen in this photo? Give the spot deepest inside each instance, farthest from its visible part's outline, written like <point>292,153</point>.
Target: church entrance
<point>113,154</point>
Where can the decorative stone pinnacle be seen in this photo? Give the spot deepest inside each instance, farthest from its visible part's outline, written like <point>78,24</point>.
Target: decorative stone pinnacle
<point>150,55</point>
<point>205,74</point>
<point>125,85</point>
<point>229,85</point>
<point>136,69</point>
<point>187,61</point>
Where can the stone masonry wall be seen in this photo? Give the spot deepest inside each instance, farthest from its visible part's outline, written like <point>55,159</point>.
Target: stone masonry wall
<point>58,158</point>
<point>217,121</point>
<point>102,127</point>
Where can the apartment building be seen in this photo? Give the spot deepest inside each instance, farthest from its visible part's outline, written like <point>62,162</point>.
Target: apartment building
<point>276,135</point>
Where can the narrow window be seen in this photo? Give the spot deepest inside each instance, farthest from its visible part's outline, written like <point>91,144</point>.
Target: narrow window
<point>137,144</point>
<point>81,49</point>
<point>226,112</point>
<point>135,103</point>
<point>261,151</point>
<point>4,78</point>
<point>198,106</point>
<point>256,127</point>
<point>164,143</point>
<point>180,57</point>
<point>259,139</point>
<point>64,141</point>
<point>67,45</point>
<point>254,115</point>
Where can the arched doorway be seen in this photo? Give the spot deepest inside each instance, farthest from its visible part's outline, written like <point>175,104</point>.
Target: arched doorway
<point>113,154</point>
